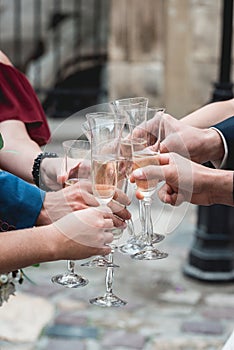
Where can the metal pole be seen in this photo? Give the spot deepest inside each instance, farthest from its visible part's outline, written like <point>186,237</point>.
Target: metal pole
<point>211,257</point>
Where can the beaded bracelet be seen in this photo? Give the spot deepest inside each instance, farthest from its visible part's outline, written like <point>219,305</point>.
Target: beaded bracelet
<point>36,167</point>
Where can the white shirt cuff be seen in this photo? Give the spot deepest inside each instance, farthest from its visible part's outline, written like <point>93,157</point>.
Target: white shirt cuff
<point>220,164</point>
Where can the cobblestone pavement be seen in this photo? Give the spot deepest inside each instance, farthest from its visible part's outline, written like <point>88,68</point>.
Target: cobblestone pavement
<point>165,310</point>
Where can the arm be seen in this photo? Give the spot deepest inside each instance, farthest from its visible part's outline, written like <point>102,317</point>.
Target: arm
<point>20,202</point>
<point>19,150</point>
<point>76,236</point>
<point>226,128</point>
<point>210,114</point>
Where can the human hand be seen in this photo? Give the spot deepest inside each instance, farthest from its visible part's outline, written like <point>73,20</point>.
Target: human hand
<point>199,145</point>
<point>187,181</point>
<point>77,197</point>
<point>83,233</point>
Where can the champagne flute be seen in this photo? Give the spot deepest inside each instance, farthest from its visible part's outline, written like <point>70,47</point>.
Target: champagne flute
<point>135,109</point>
<point>95,129</point>
<point>141,158</point>
<point>105,153</point>
<point>75,152</point>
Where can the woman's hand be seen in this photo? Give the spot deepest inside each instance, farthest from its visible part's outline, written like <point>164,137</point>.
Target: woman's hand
<point>77,197</point>
<point>83,233</point>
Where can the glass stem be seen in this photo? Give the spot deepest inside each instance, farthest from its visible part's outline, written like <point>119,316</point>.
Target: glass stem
<point>109,274</point>
<point>71,266</point>
<point>147,222</point>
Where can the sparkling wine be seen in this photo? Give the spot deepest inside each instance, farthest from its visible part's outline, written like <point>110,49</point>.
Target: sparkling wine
<point>125,161</point>
<point>140,160</point>
<point>104,178</point>
<point>128,146</point>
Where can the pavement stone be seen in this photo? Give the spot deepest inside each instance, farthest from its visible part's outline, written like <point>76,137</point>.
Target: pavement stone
<point>202,326</point>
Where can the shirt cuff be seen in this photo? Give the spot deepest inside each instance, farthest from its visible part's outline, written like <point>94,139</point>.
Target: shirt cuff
<point>220,164</point>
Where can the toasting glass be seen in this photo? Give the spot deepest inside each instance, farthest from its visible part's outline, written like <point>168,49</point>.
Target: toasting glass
<point>75,152</point>
<point>105,153</point>
<point>144,157</point>
<point>135,110</point>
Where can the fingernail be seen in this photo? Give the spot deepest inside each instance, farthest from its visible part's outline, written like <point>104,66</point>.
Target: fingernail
<point>138,172</point>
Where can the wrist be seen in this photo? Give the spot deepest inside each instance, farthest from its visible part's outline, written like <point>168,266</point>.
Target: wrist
<point>213,145</point>
<point>36,169</point>
<point>221,187</point>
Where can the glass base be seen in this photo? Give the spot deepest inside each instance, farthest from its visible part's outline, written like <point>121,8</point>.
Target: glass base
<point>135,246</point>
<point>149,254</point>
<point>156,238</point>
<point>98,262</point>
<point>131,248</point>
<point>70,280</point>
<point>108,300</point>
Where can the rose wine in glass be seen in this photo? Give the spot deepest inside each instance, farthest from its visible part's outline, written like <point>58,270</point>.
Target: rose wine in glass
<point>105,143</point>
<point>75,151</point>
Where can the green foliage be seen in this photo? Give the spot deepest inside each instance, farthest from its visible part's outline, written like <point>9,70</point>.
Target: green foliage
<point>1,142</point>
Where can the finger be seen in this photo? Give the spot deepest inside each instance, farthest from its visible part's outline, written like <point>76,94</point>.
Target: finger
<point>119,222</point>
<point>108,223</point>
<point>119,210</point>
<point>132,178</point>
<point>104,251</point>
<point>121,197</point>
<point>105,211</point>
<point>61,179</point>
<point>139,195</point>
<point>149,172</point>
<point>163,148</point>
<point>88,198</point>
<point>164,158</point>
<point>85,184</point>
<point>108,238</point>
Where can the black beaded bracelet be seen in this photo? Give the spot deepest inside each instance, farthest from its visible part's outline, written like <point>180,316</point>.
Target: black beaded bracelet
<point>37,164</point>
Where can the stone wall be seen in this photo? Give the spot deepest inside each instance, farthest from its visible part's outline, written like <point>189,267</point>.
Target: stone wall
<point>167,50</point>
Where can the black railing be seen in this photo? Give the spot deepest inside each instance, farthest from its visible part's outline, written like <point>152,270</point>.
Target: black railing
<point>65,39</point>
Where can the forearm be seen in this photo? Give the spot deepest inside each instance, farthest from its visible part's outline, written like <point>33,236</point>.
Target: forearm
<point>210,114</point>
<point>19,150</point>
<point>218,185</point>
<point>23,248</point>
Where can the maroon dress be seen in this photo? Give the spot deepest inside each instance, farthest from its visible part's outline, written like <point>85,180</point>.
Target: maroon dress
<point>19,101</point>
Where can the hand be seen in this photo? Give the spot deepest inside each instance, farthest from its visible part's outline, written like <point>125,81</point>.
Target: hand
<point>188,181</point>
<point>199,145</point>
<point>77,197</point>
<point>83,233</point>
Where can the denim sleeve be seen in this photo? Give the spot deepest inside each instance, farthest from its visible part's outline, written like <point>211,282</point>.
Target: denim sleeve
<point>20,202</point>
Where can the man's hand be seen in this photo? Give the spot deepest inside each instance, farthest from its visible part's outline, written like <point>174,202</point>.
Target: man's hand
<point>188,181</point>
<point>199,145</point>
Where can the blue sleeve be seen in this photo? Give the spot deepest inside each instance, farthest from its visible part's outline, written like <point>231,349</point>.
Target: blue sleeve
<point>20,202</point>
<point>227,129</point>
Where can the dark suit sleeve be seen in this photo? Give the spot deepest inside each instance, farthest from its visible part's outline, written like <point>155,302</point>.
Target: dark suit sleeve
<point>227,129</point>
<point>20,202</point>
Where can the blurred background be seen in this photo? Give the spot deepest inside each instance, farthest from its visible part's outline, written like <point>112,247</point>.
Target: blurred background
<point>78,53</point>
